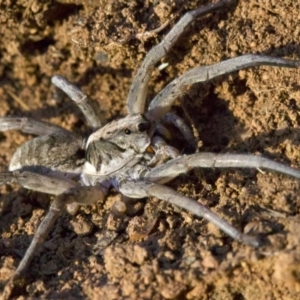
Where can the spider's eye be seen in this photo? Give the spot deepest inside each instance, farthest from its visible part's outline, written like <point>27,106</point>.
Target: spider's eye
<point>144,126</point>
<point>127,131</point>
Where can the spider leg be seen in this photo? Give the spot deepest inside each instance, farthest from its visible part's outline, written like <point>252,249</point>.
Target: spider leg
<point>37,182</point>
<point>54,183</point>
<point>38,238</point>
<point>45,184</point>
<point>138,90</point>
<point>31,126</point>
<point>182,164</point>
<point>163,101</point>
<point>75,194</point>
<point>163,151</point>
<point>88,107</point>
<point>143,189</point>
<point>180,124</point>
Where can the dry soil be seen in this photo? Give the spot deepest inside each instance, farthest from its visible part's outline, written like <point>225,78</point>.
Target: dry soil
<point>157,251</point>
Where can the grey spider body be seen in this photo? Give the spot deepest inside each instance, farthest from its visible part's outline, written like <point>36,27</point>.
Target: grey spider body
<point>130,154</point>
<point>56,152</point>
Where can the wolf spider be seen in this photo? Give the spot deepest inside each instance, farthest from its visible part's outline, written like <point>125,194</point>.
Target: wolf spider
<point>130,154</point>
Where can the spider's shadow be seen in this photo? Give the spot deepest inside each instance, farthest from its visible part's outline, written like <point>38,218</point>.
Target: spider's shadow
<point>216,124</point>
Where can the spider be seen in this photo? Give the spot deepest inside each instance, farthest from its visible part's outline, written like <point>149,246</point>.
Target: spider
<point>131,154</point>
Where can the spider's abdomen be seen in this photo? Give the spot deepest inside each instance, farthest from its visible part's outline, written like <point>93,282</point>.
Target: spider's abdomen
<point>54,152</point>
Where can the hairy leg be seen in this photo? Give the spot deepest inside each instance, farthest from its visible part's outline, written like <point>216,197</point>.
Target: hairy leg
<point>88,107</point>
<point>79,195</point>
<point>163,101</point>
<point>143,189</point>
<point>38,182</point>
<point>163,151</point>
<point>182,164</point>
<point>31,126</point>
<point>138,90</point>
<point>185,130</point>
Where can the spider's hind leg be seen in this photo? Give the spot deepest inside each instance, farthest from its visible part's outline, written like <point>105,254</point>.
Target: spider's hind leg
<point>67,191</point>
<point>31,126</point>
<point>37,182</point>
<point>143,189</point>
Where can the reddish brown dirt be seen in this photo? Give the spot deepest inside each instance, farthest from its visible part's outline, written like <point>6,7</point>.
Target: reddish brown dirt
<point>158,252</point>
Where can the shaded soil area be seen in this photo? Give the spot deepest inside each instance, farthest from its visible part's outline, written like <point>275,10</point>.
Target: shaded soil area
<point>157,251</point>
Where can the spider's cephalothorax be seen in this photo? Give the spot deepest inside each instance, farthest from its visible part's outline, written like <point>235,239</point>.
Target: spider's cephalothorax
<point>130,154</point>
<point>117,144</point>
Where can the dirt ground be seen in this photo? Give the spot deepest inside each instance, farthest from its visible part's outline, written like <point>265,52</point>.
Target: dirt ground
<point>157,251</point>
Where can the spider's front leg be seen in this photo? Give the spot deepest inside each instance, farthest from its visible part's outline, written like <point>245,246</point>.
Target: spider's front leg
<point>185,130</point>
<point>138,91</point>
<point>163,152</point>
<point>163,101</point>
